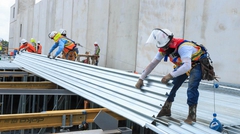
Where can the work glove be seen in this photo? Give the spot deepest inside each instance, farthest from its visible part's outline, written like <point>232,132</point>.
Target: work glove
<point>139,84</point>
<point>166,79</point>
<point>49,55</point>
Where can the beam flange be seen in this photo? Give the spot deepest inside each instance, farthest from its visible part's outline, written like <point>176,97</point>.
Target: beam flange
<point>28,85</point>
<point>50,118</point>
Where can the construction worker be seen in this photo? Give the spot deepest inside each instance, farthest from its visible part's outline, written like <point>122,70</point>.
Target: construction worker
<point>26,46</point>
<point>39,48</point>
<point>64,45</point>
<point>1,44</point>
<point>64,33</point>
<point>96,52</point>
<point>185,55</point>
<point>34,44</point>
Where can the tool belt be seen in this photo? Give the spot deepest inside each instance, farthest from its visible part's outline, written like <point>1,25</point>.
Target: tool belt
<point>71,55</point>
<point>207,69</point>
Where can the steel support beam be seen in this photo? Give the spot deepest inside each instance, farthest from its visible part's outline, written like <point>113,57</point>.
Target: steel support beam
<point>28,85</point>
<point>50,119</point>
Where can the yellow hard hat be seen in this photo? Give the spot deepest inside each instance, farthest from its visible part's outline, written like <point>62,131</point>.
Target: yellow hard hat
<point>33,40</point>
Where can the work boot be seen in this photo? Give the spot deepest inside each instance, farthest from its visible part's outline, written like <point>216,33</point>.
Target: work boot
<point>191,114</point>
<point>166,109</point>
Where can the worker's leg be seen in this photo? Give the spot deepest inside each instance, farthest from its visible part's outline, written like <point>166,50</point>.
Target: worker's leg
<point>64,55</point>
<point>178,81</point>
<point>96,61</point>
<point>193,83</point>
<point>166,109</point>
<point>76,49</point>
<point>193,94</point>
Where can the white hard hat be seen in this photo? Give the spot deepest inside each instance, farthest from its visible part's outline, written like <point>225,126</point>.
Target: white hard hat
<point>52,34</point>
<point>95,42</point>
<point>160,37</point>
<point>62,31</point>
<point>23,41</point>
<point>38,42</point>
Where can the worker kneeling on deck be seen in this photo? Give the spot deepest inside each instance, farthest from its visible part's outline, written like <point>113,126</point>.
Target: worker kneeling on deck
<point>64,45</point>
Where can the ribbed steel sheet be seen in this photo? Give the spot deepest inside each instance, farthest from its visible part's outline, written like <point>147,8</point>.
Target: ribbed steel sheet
<point>6,64</point>
<point>110,88</point>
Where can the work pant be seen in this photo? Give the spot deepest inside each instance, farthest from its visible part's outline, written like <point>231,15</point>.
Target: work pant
<point>192,91</point>
<point>71,55</point>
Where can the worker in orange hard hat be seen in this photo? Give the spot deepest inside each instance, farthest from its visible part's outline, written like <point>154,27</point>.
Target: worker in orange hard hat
<point>26,46</point>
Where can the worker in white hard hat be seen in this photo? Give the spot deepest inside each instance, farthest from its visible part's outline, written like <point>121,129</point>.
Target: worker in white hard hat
<point>26,46</point>
<point>96,53</point>
<point>39,48</point>
<point>64,33</point>
<point>185,55</point>
<point>66,46</point>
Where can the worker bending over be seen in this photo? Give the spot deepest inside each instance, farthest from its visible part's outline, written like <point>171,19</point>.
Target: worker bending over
<point>185,55</point>
<point>26,46</point>
<point>64,45</point>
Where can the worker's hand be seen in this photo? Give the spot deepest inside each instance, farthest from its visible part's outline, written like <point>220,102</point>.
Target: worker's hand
<point>139,84</point>
<point>23,50</point>
<point>49,55</point>
<point>166,79</point>
<point>17,52</point>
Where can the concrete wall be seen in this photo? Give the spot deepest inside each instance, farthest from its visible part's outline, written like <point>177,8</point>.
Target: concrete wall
<point>157,14</point>
<point>121,27</point>
<point>215,23</point>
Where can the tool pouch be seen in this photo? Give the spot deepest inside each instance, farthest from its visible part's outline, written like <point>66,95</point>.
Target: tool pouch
<point>71,55</point>
<point>207,69</point>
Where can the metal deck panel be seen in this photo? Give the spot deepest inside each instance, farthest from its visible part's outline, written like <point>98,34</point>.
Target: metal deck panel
<point>115,90</point>
<point>8,64</point>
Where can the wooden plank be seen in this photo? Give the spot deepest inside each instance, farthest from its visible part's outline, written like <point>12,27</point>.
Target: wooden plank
<point>28,85</point>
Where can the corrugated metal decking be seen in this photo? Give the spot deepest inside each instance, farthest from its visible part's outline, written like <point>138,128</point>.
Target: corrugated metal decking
<point>112,89</point>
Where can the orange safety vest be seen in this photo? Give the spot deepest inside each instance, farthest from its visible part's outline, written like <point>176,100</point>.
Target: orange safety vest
<point>28,47</point>
<point>39,49</point>
<point>174,56</point>
<point>68,46</point>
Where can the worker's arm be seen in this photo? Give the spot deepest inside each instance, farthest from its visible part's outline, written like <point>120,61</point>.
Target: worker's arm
<point>55,45</point>
<point>151,66</point>
<point>60,47</point>
<point>185,53</point>
<point>24,48</point>
<point>20,48</point>
<point>149,69</point>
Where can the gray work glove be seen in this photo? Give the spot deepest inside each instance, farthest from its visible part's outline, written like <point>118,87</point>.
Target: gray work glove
<point>49,55</point>
<point>139,84</point>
